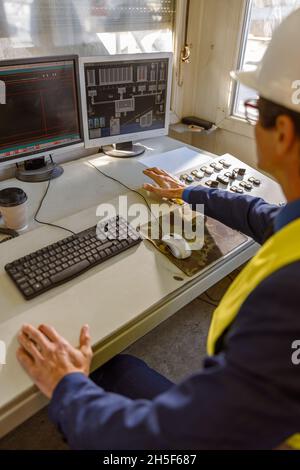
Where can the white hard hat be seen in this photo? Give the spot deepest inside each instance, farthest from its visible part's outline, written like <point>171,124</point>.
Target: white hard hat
<point>276,75</point>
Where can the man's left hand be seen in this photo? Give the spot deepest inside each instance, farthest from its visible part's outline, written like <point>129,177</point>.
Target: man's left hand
<point>47,357</point>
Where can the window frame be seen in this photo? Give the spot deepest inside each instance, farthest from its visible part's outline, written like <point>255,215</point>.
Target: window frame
<point>189,99</point>
<point>226,120</point>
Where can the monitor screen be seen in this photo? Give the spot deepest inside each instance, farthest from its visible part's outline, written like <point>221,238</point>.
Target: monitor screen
<point>126,97</point>
<point>39,106</point>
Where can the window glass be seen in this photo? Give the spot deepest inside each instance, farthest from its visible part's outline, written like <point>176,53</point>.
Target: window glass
<point>85,27</point>
<point>262,17</point>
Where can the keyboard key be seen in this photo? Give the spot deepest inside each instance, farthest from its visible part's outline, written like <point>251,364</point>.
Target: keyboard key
<point>29,291</point>
<point>37,286</point>
<point>24,286</point>
<point>18,275</point>
<point>69,272</point>
<point>45,268</point>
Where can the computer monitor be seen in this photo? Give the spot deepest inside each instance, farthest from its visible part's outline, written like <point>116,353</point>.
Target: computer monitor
<point>40,113</point>
<point>125,98</point>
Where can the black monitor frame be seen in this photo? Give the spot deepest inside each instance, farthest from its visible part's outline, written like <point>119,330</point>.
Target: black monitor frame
<point>32,60</point>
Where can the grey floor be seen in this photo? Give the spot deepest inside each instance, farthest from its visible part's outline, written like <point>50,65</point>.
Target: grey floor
<point>175,349</point>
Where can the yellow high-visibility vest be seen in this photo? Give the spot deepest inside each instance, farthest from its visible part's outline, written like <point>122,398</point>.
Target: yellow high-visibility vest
<point>279,251</point>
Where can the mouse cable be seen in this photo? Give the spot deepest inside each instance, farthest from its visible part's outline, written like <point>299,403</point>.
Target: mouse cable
<point>48,223</point>
<point>139,194</point>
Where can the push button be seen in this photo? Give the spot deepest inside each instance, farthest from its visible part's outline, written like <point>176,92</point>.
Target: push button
<point>190,179</point>
<point>246,186</point>
<point>237,190</point>
<point>231,176</point>
<point>254,181</point>
<point>208,171</point>
<point>216,166</point>
<point>240,171</point>
<point>212,184</point>
<point>225,163</point>
<point>198,174</point>
<point>223,180</point>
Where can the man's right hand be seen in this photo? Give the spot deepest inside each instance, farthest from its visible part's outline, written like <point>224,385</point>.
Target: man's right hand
<point>47,357</point>
<point>168,187</point>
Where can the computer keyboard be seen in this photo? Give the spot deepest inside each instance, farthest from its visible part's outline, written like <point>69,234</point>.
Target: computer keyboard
<point>57,263</point>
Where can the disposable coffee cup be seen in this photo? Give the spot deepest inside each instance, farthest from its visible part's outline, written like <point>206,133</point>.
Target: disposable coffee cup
<point>13,208</point>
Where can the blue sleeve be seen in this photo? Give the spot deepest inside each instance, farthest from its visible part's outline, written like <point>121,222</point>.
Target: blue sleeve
<point>249,215</point>
<point>246,397</point>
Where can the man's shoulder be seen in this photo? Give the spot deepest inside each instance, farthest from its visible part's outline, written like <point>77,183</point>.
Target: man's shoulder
<point>286,280</point>
<point>275,299</point>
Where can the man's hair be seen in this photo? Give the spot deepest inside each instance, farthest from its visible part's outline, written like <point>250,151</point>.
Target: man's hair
<point>269,112</point>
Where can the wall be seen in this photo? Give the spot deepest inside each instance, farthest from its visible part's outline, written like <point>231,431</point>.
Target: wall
<point>220,142</point>
<point>215,28</point>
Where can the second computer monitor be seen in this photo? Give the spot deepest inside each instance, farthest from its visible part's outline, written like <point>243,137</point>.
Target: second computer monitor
<point>125,98</point>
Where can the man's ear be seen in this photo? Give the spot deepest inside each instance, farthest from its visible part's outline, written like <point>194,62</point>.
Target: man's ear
<point>285,134</point>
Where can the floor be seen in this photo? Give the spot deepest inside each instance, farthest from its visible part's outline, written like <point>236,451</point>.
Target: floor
<point>175,349</point>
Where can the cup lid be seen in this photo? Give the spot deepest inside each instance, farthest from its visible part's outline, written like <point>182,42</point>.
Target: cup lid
<point>10,197</point>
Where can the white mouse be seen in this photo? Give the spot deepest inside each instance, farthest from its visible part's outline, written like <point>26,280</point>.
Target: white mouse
<point>178,246</point>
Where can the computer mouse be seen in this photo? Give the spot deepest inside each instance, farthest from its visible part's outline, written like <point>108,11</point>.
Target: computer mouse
<point>178,246</point>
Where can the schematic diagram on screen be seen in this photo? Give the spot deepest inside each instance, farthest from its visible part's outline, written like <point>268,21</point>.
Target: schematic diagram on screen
<point>126,98</point>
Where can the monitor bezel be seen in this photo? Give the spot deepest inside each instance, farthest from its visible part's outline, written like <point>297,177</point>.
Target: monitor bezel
<point>137,136</point>
<point>58,149</point>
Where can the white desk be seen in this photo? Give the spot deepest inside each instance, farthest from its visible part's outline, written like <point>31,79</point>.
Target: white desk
<point>121,300</point>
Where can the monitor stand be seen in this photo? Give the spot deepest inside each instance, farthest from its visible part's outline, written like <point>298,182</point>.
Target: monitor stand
<point>38,170</point>
<point>123,150</point>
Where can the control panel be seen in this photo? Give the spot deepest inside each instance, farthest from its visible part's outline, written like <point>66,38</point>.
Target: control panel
<point>221,174</point>
<point>229,173</point>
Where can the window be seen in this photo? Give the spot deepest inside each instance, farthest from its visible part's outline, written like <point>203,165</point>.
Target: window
<point>85,27</point>
<point>262,17</point>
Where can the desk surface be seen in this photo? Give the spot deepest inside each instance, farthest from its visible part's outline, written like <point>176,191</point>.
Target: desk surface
<point>121,300</point>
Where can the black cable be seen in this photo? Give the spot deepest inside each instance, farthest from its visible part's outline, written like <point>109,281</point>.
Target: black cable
<point>216,301</point>
<point>127,187</point>
<point>207,302</point>
<point>48,223</point>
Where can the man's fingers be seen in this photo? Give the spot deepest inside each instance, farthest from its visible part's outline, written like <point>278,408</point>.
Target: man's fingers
<point>25,359</point>
<point>85,337</point>
<point>159,179</point>
<point>85,341</point>
<point>50,332</point>
<point>37,336</point>
<point>154,189</point>
<point>155,170</point>
<point>168,193</point>
<point>163,179</point>
<point>30,347</point>
<point>158,172</point>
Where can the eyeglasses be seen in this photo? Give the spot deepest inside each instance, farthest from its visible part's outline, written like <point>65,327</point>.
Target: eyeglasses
<point>252,111</point>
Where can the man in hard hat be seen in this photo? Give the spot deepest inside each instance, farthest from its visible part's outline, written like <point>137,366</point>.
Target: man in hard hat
<point>247,396</point>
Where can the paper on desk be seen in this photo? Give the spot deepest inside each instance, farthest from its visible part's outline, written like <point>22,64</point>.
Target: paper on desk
<point>175,161</point>
<point>2,353</point>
